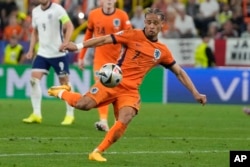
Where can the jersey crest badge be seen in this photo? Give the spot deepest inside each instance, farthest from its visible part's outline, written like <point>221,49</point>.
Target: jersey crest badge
<point>94,90</point>
<point>157,54</point>
<point>50,16</point>
<point>116,23</point>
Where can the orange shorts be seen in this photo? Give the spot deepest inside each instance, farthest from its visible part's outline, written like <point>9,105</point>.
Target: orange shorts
<point>119,96</point>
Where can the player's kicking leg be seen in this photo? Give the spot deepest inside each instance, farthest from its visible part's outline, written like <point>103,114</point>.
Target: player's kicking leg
<point>55,90</point>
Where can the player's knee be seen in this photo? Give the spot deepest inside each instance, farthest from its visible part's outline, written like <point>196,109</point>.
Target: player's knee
<point>34,81</point>
<point>126,114</point>
<point>64,81</point>
<point>63,78</point>
<point>85,104</point>
<point>81,106</point>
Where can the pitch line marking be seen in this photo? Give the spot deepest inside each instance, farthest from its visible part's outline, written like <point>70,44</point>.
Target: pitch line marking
<point>124,153</point>
<point>125,138</point>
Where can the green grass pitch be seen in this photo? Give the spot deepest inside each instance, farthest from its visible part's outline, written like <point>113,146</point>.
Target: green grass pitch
<point>161,135</point>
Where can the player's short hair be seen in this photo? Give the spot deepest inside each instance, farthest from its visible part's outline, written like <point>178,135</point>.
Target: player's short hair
<point>154,11</point>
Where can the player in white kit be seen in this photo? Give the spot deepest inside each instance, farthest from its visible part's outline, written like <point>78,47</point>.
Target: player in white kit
<point>52,29</point>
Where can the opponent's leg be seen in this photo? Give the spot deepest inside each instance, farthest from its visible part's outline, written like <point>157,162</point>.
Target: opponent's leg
<point>36,99</point>
<point>69,117</point>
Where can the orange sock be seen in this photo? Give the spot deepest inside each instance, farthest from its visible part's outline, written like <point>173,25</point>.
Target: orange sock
<point>116,131</point>
<point>71,97</point>
<point>103,112</point>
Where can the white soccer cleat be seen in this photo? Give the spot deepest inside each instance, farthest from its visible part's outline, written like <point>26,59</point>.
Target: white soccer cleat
<point>246,110</point>
<point>102,126</point>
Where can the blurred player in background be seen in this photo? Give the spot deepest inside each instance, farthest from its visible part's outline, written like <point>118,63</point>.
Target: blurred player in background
<point>143,52</point>
<point>52,29</point>
<point>204,55</point>
<point>14,52</point>
<point>102,21</point>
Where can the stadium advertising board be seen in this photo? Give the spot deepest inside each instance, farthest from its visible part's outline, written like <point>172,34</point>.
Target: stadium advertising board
<point>15,81</point>
<point>237,52</point>
<point>222,85</point>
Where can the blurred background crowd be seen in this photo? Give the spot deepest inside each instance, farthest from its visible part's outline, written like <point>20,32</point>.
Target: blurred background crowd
<point>220,19</point>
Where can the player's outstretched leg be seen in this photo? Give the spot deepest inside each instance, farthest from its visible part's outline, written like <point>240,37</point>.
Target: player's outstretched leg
<point>63,92</point>
<point>55,90</point>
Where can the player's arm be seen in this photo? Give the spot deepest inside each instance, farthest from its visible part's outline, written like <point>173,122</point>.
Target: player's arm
<point>99,41</point>
<point>126,22</point>
<point>93,42</point>
<point>187,82</point>
<point>21,57</point>
<point>68,27</point>
<point>33,41</point>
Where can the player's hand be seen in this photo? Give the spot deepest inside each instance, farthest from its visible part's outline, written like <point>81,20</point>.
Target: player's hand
<point>69,47</point>
<point>29,55</point>
<point>63,46</point>
<point>80,64</point>
<point>201,98</point>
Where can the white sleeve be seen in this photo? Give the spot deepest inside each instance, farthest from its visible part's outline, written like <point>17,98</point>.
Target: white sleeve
<point>61,12</point>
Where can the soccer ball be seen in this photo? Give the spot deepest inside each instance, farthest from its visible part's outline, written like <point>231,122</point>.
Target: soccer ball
<point>110,75</point>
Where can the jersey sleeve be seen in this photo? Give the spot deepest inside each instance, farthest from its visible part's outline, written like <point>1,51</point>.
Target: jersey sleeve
<point>90,26</point>
<point>126,22</point>
<point>62,14</point>
<point>167,59</point>
<point>123,37</point>
<point>33,23</point>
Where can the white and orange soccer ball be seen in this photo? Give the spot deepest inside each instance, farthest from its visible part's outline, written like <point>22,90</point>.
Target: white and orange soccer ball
<point>110,75</point>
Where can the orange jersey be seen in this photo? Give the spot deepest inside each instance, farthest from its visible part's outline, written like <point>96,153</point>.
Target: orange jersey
<point>140,55</point>
<point>10,31</point>
<point>100,24</point>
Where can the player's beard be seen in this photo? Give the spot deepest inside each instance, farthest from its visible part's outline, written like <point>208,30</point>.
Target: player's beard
<point>151,35</point>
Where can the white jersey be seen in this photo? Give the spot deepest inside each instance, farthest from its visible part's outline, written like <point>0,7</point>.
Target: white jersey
<point>49,26</point>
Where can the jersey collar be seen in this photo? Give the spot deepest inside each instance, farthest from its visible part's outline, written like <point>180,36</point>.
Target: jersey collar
<point>109,13</point>
<point>48,6</point>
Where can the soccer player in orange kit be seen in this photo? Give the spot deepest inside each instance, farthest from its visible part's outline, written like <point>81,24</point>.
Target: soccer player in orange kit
<point>143,51</point>
<point>103,21</point>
